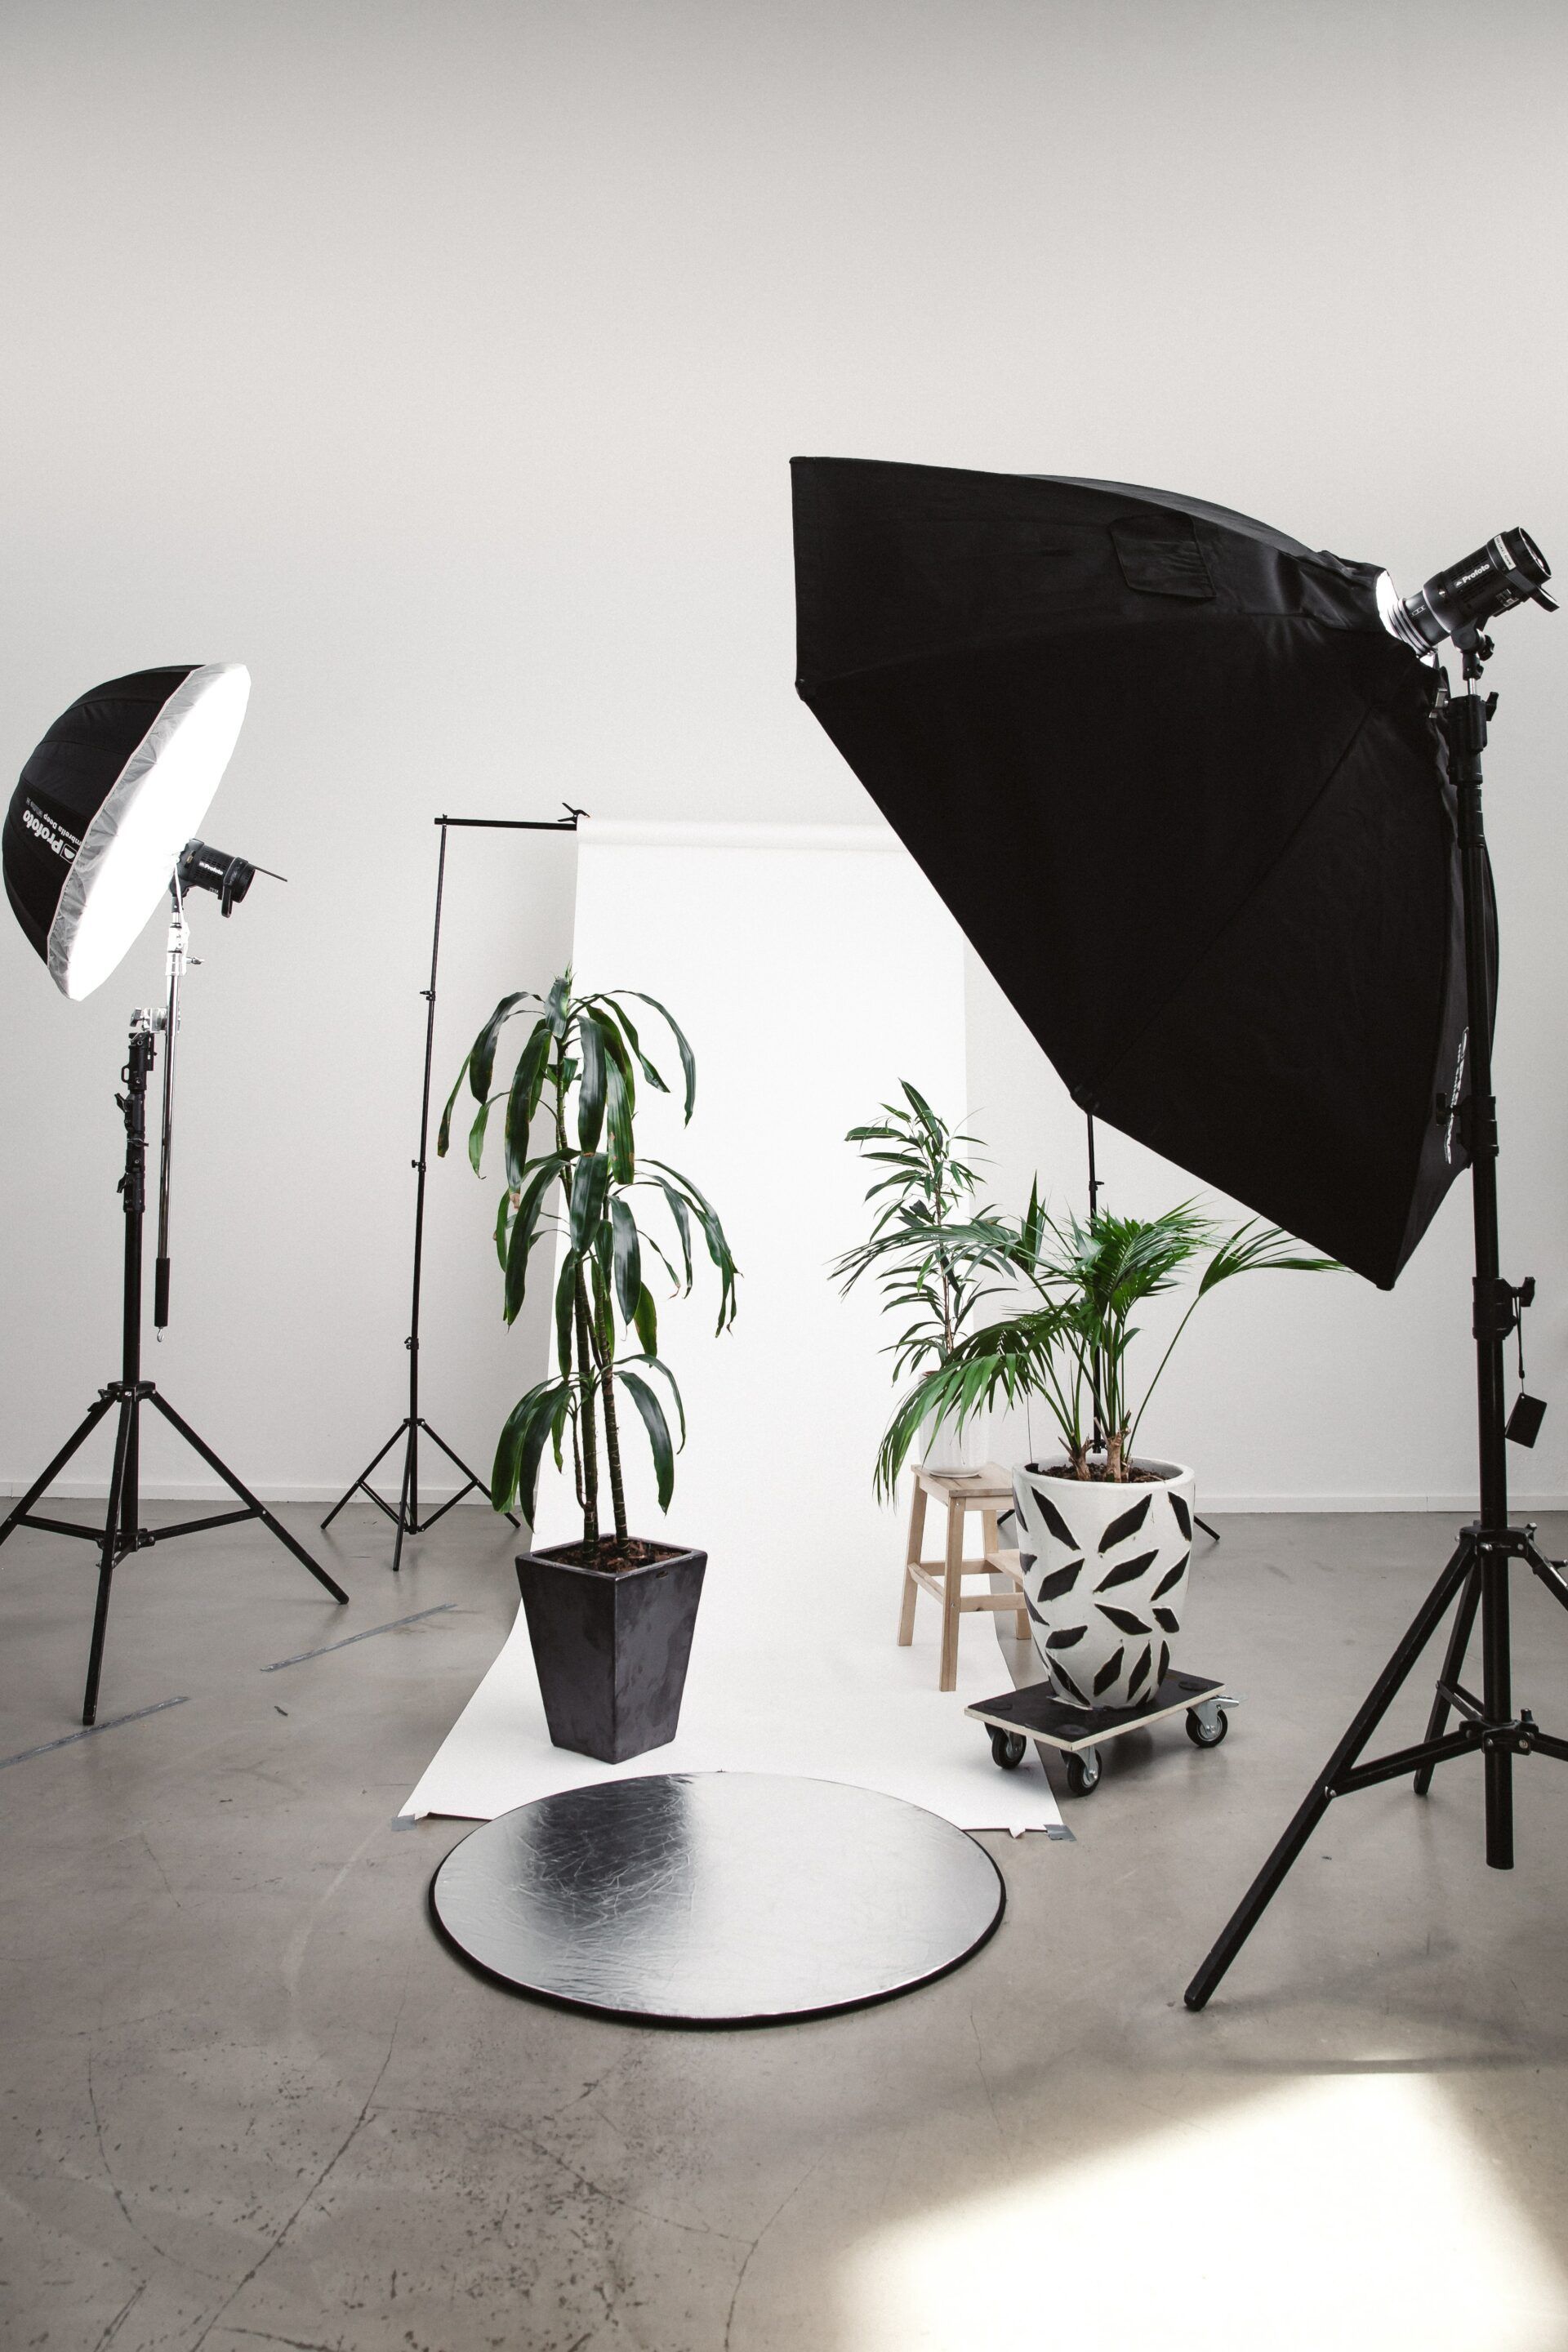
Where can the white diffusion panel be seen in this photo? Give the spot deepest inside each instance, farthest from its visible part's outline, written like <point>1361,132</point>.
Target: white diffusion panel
<point>811,968</point>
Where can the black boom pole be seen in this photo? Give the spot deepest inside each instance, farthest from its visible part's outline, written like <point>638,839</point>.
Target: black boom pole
<point>406,1518</point>
<point>1477,1576</point>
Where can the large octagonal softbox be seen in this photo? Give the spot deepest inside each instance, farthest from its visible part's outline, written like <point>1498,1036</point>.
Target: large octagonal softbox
<point>1180,786</point>
<point>105,805</point>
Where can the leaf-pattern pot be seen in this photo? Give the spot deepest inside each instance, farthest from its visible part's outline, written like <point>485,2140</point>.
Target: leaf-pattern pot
<point>1105,1574</point>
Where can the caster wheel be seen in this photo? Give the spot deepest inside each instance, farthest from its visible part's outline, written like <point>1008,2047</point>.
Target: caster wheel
<point>1212,1737</point>
<point>1083,1772</point>
<point>1007,1748</point>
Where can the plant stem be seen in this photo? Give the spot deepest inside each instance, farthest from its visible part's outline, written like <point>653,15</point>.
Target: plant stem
<point>586,1417</point>
<point>604,1338</point>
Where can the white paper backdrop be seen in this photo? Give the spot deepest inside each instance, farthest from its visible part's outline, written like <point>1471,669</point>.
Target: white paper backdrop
<point>812,969</point>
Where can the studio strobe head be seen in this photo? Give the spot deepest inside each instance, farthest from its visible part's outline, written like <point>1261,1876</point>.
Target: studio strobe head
<point>1509,570</point>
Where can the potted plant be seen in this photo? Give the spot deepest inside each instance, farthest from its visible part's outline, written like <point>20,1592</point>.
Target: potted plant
<point>930,1249</point>
<point>1106,1535</point>
<point>610,1617</point>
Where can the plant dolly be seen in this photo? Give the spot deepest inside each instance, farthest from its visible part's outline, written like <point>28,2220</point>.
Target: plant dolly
<point>1078,1733</point>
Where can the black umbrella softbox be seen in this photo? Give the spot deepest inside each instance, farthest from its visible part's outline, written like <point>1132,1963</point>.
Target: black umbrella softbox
<point>1180,786</point>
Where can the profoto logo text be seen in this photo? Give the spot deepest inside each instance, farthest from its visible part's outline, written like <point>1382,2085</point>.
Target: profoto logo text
<point>64,845</point>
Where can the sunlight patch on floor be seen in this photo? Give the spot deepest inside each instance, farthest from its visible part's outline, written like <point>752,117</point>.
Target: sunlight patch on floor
<point>1357,2210</point>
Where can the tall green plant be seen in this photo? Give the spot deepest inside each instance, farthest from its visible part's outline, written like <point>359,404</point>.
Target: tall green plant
<point>577,1078</point>
<point>1074,1335</point>
<point>929,1248</point>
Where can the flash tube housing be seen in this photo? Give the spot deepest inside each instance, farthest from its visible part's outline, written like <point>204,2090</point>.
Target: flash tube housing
<point>1509,570</point>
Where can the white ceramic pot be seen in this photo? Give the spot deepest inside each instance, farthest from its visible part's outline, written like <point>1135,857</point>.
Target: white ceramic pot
<point>940,1447</point>
<point>1105,1575</point>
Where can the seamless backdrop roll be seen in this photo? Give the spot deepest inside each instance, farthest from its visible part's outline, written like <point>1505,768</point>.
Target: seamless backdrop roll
<point>811,968</point>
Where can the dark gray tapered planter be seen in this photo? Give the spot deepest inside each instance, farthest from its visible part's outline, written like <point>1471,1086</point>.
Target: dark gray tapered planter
<point>611,1647</point>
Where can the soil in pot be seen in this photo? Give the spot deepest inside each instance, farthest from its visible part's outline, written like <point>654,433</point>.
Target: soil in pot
<point>636,1552</point>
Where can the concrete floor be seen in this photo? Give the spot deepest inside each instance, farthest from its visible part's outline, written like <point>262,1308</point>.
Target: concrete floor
<point>250,2100</point>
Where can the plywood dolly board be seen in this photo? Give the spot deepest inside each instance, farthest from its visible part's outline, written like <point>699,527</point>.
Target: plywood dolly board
<point>1078,1733</point>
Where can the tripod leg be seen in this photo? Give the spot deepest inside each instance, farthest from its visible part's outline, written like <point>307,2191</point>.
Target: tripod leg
<point>1255,1902</point>
<point>111,1554</point>
<point>41,1485</point>
<point>473,1476</point>
<point>274,1526</point>
<point>1549,1574</point>
<point>1453,1667</point>
<point>405,1504</point>
<point>1212,1533</point>
<point>374,1462</point>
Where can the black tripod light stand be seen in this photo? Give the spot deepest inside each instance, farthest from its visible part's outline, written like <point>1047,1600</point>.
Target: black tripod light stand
<point>123,1531</point>
<point>1476,1580</point>
<point>405,1518</point>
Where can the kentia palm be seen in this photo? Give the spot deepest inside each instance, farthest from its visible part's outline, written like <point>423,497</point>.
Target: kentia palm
<point>611,1619</point>
<point>928,1255</point>
<point>1105,1569</point>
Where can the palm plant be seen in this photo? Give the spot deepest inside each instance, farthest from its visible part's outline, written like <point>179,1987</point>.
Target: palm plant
<point>929,1257</point>
<point>1069,1345</point>
<point>580,1061</point>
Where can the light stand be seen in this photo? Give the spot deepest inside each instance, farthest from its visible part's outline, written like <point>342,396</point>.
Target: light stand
<point>122,1530</point>
<point>1477,1575</point>
<point>406,1518</point>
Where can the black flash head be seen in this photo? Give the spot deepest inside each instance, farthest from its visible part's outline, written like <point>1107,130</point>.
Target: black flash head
<point>202,867</point>
<point>1509,570</point>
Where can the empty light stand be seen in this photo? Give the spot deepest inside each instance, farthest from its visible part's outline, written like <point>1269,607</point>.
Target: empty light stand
<point>406,1518</point>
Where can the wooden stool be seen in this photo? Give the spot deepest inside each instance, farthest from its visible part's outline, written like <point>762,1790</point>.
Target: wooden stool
<point>988,1491</point>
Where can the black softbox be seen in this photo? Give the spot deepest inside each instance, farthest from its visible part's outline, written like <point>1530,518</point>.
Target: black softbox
<point>1180,785</point>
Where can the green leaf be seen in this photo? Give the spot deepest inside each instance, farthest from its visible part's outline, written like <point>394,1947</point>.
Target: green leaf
<point>482,1060</point>
<point>558,1009</point>
<point>656,1363</point>
<point>688,1064</point>
<point>621,1104</point>
<point>627,1257</point>
<point>590,1185</point>
<point>477,1133</point>
<point>658,1429</point>
<point>620,1013</point>
<point>713,1233</point>
<point>525,1230</point>
<point>522,1101</point>
<point>647,1322</point>
<point>682,1215</point>
<point>502,1214</point>
<point>565,1308</point>
<point>444,1133</point>
<point>591,1092</point>
<point>515,1476</point>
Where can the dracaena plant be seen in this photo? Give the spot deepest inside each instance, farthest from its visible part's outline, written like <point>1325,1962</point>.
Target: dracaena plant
<point>572,1168</point>
<point>931,1248</point>
<point>1069,1341</point>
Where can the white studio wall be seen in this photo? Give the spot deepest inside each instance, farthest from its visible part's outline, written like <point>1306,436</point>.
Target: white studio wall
<point>442,365</point>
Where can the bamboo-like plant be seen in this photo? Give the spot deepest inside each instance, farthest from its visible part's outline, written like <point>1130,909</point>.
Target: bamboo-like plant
<point>930,1247</point>
<point>1070,1344</point>
<point>580,1063</point>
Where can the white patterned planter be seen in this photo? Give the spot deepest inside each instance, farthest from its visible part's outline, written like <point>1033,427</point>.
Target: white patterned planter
<point>1105,1575</point>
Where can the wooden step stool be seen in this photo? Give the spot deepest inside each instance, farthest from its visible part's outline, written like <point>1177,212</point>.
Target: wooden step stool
<point>988,1491</point>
